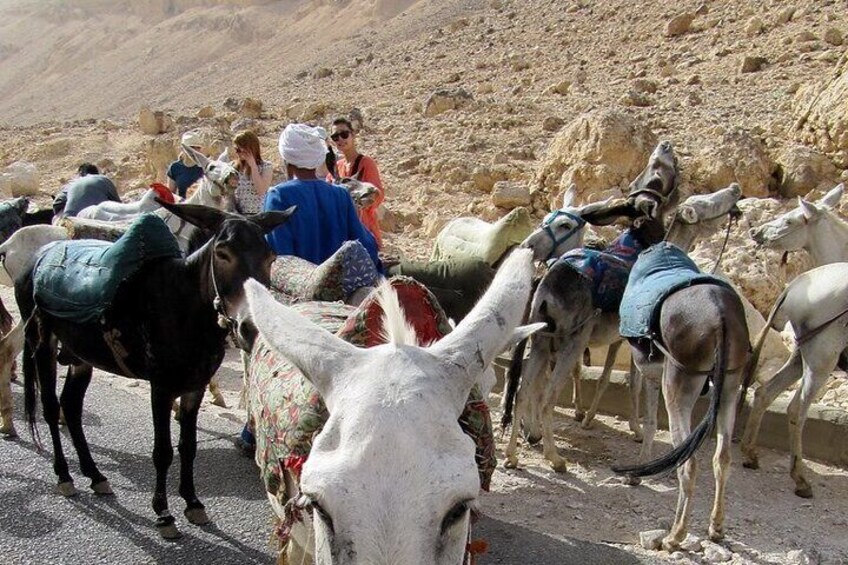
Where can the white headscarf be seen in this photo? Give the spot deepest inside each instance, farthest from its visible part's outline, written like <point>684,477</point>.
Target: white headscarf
<point>303,146</point>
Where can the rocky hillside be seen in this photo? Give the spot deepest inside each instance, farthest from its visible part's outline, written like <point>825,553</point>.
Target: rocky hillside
<point>469,106</point>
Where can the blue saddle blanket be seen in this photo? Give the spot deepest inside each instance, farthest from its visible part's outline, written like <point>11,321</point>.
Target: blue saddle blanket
<point>77,280</point>
<point>607,270</point>
<point>660,271</point>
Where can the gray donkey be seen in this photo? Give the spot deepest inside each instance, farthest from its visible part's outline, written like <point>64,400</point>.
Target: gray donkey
<point>578,298</point>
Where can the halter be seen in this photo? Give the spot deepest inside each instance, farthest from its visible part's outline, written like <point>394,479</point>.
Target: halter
<point>225,321</point>
<point>546,226</point>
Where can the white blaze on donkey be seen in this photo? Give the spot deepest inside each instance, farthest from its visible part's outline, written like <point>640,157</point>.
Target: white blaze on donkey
<point>391,478</point>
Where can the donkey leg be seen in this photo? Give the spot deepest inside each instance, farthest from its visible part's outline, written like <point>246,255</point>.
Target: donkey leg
<point>7,405</point>
<point>612,351</point>
<point>217,395</point>
<point>722,457</point>
<point>635,382</point>
<point>195,511</point>
<point>681,391</point>
<point>763,397</point>
<point>815,376</point>
<point>530,391</point>
<point>163,454</point>
<point>651,376</point>
<point>73,394</point>
<point>45,369</point>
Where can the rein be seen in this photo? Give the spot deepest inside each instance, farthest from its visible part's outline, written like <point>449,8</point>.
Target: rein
<point>546,226</point>
<point>225,321</point>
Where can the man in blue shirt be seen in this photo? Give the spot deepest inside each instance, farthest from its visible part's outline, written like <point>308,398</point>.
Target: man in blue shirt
<point>325,216</point>
<point>88,189</point>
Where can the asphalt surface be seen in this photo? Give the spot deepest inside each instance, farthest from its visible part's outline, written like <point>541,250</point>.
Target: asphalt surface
<point>39,526</point>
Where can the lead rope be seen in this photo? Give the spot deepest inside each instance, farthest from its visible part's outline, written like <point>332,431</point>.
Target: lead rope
<point>723,245</point>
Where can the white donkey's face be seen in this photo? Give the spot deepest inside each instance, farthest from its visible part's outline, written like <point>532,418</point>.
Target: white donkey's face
<point>792,230</point>
<point>700,215</point>
<point>219,184</point>
<point>391,478</point>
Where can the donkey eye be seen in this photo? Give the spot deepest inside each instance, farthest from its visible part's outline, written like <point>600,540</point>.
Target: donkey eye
<point>454,515</point>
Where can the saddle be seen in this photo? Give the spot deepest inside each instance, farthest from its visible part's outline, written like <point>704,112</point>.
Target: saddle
<point>295,280</point>
<point>606,270</point>
<point>660,271</point>
<point>286,412</point>
<point>77,280</point>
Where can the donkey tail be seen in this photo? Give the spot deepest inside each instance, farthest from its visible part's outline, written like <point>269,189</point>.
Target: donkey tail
<point>754,358</point>
<point>683,452</point>
<point>513,378</point>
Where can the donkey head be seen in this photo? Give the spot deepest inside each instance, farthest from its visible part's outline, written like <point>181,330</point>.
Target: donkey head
<point>361,192</point>
<point>701,215</point>
<point>561,230</point>
<point>392,478</point>
<point>237,250</point>
<point>655,189</point>
<point>793,230</point>
<point>220,180</point>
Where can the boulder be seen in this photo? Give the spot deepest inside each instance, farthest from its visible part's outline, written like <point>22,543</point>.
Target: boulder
<point>247,124</point>
<point>833,36</point>
<point>738,157</point>
<point>206,112</point>
<point>20,179</point>
<point>821,112</point>
<point>250,108</point>
<point>552,123</point>
<point>484,178</point>
<point>442,100</point>
<point>680,24</point>
<point>803,169</point>
<point>600,152</point>
<point>752,64</point>
<point>154,123</point>
<point>510,194</point>
<point>322,72</point>
<point>160,153</point>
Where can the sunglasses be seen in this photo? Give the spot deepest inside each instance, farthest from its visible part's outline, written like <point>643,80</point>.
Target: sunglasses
<point>340,135</point>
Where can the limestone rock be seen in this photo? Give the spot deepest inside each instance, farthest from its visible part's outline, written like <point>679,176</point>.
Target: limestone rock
<point>433,224</point>
<point>802,169</point>
<point>636,98</point>
<point>20,179</point>
<point>822,116</point>
<point>752,64</point>
<point>715,553</point>
<point>833,36</point>
<point>508,194</point>
<point>601,152</point>
<point>552,123</point>
<point>322,72</point>
<point>785,15</point>
<point>691,543</point>
<point>154,123</point>
<point>206,112</point>
<point>484,178</point>
<point>160,153</point>
<point>680,24</point>
<point>754,27</point>
<point>652,539</point>
<point>560,88</point>
<point>250,108</point>
<point>736,157</point>
<point>645,85</point>
<point>442,100</point>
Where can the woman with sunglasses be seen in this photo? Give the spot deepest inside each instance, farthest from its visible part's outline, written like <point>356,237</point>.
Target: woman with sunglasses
<point>254,173</point>
<point>354,164</point>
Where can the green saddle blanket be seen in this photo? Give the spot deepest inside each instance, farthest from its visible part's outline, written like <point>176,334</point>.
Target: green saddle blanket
<point>77,280</point>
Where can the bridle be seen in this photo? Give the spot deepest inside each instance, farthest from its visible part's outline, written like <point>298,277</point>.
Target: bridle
<point>225,321</point>
<point>557,241</point>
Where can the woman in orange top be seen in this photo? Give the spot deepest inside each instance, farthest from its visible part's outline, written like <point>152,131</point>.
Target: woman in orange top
<point>354,164</point>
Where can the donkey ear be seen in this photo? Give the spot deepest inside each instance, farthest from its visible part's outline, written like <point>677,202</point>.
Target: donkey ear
<point>270,220</point>
<point>523,332</point>
<point>612,211</point>
<point>323,358</point>
<point>197,156</point>
<point>204,217</point>
<point>487,329</point>
<point>832,198</point>
<point>808,209</point>
<point>570,196</point>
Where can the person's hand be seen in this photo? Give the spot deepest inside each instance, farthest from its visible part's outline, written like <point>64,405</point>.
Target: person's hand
<point>248,158</point>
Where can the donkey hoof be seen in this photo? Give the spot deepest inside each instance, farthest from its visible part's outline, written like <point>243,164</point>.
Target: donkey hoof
<point>102,488</point>
<point>9,431</point>
<point>169,531</point>
<point>804,491</point>
<point>587,422</point>
<point>511,462</point>
<point>197,516</point>
<point>559,466</point>
<point>219,401</point>
<point>670,544</point>
<point>716,534</point>
<point>67,489</point>
<point>751,463</point>
<point>579,415</point>
<point>632,481</point>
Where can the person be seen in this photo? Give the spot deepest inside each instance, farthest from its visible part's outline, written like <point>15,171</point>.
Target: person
<point>363,167</point>
<point>254,173</point>
<point>326,216</point>
<point>88,189</point>
<point>184,172</point>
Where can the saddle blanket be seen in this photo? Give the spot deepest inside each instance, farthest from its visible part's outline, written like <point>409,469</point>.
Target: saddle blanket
<point>285,411</point>
<point>660,271</point>
<point>606,270</point>
<point>77,280</point>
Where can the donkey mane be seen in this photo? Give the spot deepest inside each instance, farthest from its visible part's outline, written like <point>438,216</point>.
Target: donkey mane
<point>396,328</point>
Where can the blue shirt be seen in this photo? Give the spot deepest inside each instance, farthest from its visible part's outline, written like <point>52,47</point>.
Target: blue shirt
<point>83,192</point>
<point>183,176</point>
<point>324,220</point>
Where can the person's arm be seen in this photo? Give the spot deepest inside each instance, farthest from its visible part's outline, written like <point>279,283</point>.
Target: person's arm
<point>261,179</point>
<point>169,174</point>
<point>371,174</point>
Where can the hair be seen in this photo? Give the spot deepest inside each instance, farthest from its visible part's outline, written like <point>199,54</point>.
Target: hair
<point>344,122</point>
<point>249,141</point>
<point>87,169</point>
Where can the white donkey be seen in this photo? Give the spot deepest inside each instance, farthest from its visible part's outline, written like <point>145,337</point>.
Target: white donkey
<point>109,211</point>
<point>811,303</point>
<point>391,478</point>
<point>473,238</point>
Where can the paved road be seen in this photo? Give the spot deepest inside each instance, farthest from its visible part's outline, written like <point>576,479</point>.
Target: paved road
<point>38,526</point>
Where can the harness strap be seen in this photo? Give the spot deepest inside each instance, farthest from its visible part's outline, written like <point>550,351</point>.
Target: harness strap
<point>546,226</point>
<point>818,329</point>
<point>680,366</point>
<point>119,352</point>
